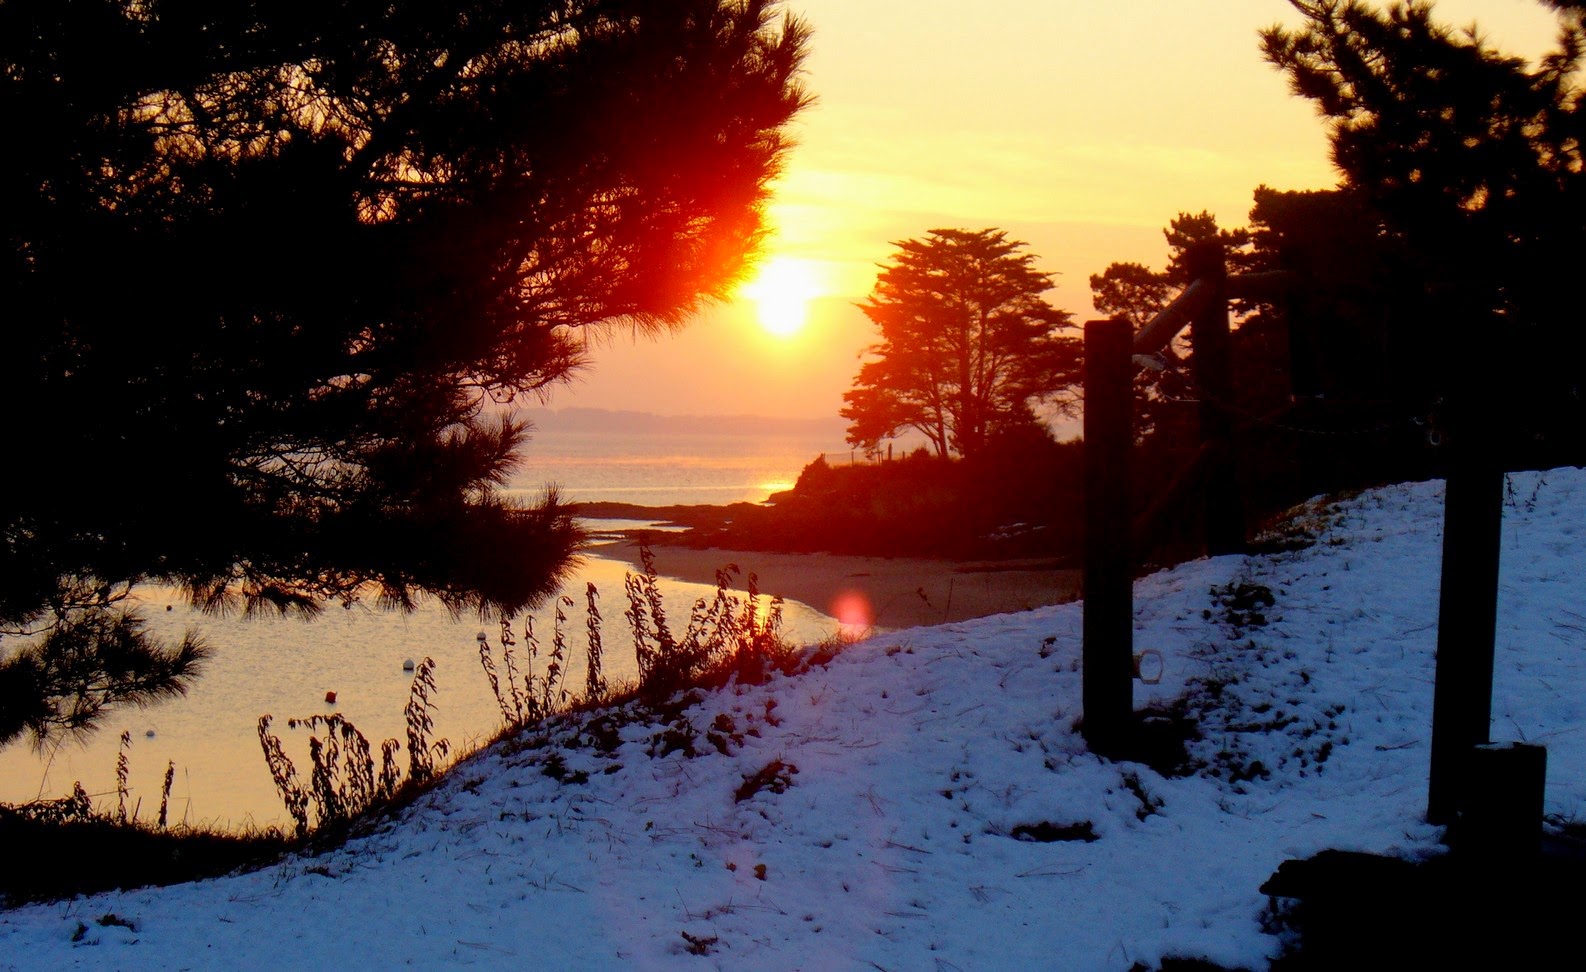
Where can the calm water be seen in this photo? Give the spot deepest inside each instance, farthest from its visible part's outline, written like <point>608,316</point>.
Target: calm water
<point>603,457</point>
<point>285,666</point>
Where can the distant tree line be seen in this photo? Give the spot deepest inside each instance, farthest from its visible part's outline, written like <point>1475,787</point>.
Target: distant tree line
<point>1018,496</point>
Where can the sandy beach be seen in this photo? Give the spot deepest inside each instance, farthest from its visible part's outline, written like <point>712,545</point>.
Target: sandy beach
<point>885,592</point>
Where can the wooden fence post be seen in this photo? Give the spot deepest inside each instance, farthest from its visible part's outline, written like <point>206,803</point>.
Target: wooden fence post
<point>1108,654</point>
<point>1467,615</point>
<point>1225,523</point>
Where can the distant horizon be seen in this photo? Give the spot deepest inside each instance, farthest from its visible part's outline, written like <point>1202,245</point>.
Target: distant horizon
<point>594,410</point>
<point>1062,427</point>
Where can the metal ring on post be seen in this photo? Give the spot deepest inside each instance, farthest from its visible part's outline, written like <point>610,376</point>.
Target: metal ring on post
<point>1139,665</point>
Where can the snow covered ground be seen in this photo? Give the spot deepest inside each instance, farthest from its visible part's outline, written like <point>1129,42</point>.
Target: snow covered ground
<point>865,813</point>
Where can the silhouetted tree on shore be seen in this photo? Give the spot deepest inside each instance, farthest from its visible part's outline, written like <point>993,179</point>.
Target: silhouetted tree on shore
<point>967,346</point>
<point>268,267</point>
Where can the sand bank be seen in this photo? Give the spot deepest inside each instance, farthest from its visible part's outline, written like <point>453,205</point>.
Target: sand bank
<point>886,592</point>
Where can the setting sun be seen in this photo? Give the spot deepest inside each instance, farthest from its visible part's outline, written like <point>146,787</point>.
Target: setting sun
<point>782,291</point>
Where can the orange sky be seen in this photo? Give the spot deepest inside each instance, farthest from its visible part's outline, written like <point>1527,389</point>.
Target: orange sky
<point>1079,127</point>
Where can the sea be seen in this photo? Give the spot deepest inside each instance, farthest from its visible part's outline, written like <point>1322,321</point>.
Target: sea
<point>634,457</point>
<point>289,668</point>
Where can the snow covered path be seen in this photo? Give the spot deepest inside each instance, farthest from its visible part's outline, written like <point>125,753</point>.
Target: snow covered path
<point>868,813</point>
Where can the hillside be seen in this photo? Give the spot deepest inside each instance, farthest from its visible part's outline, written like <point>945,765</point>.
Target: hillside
<point>922,801</point>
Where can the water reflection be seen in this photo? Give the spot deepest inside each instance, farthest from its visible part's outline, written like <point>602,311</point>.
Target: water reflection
<point>285,667</point>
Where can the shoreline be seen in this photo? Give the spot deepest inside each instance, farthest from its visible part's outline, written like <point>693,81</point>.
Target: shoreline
<point>869,592</point>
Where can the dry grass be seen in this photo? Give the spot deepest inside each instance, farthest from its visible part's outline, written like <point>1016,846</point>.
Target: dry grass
<point>64,847</point>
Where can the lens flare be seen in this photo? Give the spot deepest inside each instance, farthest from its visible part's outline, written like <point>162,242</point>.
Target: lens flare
<point>853,612</point>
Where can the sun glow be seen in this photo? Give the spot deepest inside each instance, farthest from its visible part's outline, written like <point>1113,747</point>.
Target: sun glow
<point>782,291</point>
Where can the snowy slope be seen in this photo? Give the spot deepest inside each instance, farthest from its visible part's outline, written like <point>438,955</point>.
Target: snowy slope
<point>918,756</point>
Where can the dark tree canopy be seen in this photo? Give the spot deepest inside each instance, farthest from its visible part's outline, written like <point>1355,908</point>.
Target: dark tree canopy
<point>269,267</point>
<point>1474,161</point>
<point>968,345</point>
<point>1132,291</point>
<point>1136,293</point>
<point>1186,230</point>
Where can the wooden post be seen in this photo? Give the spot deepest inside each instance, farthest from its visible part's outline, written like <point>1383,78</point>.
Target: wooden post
<point>1500,816</point>
<point>1467,615</point>
<point>1225,522</point>
<point>1108,674</point>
